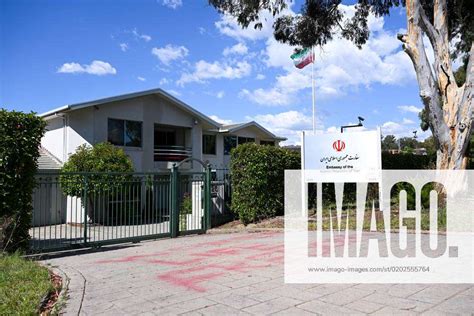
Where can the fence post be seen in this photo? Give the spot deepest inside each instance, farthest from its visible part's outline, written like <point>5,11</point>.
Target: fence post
<point>207,199</point>
<point>174,216</point>
<point>85,203</point>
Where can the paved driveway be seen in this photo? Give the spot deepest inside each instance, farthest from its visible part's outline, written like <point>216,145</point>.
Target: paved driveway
<point>231,274</point>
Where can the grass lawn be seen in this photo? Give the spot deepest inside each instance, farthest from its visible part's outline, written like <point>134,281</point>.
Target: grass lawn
<point>23,284</point>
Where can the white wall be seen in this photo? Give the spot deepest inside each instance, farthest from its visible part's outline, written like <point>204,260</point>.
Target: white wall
<point>80,129</point>
<point>53,139</point>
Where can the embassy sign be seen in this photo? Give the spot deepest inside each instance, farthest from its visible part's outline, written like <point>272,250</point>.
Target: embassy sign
<point>349,152</point>
<point>348,221</point>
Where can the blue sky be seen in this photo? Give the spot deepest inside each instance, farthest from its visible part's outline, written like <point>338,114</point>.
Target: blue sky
<point>58,52</point>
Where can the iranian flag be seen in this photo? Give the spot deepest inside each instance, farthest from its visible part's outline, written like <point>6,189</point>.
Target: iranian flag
<point>303,58</point>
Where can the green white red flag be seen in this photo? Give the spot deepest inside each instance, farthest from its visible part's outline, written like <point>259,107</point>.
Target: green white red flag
<point>303,58</point>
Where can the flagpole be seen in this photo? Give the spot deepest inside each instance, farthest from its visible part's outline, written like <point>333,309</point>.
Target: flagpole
<point>312,87</point>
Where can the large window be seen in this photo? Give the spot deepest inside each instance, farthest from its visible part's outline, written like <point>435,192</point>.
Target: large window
<point>209,144</point>
<point>229,143</point>
<point>165,138</point>
<point>243,140</point>
<point>125,133</point>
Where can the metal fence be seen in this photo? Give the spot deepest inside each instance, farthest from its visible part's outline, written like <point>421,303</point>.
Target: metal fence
<point>90,209</point>
<point>221,197</point>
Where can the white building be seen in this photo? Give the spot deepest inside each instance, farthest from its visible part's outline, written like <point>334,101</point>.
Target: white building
<point>154,128</point>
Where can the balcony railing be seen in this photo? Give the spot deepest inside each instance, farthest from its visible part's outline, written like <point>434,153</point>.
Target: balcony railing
<point>172,153</point>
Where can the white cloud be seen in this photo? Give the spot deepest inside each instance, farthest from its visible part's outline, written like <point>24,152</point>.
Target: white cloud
<point>97,67</point>
<point>228,26</point>
<point>409,108</point>
<point>221,120</point>
<point>407,121</point>
<point>403,129</point>
<point>164,81</point>
<point>202,30</point>
<point>238,49</point>
<point>137,35</point>
<point>172,4</point>
<point>123,47</point>
<point>380,61</point>
<point>204,70</point>
<point>174,92</point>
<point>269,97</point>
<point>170,53</point>
<point>141,78</point>
<point>220,94</point>
<point>287,124</point>
<point>260,77</point>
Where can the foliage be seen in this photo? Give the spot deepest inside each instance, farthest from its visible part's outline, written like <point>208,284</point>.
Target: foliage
<point>19,143</point>
<point>97,171</point>
<point>258,180</point>
<point>102,157</point>
<point>407,161</point>
<point>430,145</point>
<point>320,20</point>
<point>424,120</point>
<point>186,204</point>
<point>389,142</point>
<point>23,284</point>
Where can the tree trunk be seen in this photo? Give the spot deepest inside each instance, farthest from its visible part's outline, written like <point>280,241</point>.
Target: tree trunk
<point>449,107</point>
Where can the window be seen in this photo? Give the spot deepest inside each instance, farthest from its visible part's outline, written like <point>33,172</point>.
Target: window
<point>209,144</point>
<point>267,143</point>
<point>229,143</point>
<point>165,138</point>
<point>125,133</point>
<point>243,140</point>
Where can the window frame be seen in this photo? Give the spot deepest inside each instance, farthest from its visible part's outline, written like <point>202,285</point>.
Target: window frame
<point>215,144</point>
<point>236,144</point>
<point>246,140</point>
<point>124,134</point>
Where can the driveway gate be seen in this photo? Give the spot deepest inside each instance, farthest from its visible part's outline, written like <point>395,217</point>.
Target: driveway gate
<point>72,210</point>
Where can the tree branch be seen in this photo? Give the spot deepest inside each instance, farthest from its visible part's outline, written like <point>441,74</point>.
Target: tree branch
<point>413,45</point>
<point>428,28</point>
<point>465,113</point>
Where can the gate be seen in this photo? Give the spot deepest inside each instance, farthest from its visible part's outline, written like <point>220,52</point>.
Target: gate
<point>72,210</point>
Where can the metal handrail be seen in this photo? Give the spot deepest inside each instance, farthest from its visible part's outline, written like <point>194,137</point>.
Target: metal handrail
<point>172,153</point>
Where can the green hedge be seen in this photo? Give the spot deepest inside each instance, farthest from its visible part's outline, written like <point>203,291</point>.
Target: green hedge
<point>19,143</point>
<point>408,161</point>
<point>258,180</point>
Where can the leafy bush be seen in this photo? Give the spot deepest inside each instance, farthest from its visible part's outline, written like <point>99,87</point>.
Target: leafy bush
<point>408,161</point>
<point>258,180</point>
<point>19,150</point>
<point>104,158</point>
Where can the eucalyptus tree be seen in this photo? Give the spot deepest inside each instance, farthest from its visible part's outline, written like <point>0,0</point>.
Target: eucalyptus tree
<point>447,93</point>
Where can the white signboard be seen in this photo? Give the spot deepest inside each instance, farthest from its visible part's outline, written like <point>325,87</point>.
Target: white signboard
<point>354,152</point>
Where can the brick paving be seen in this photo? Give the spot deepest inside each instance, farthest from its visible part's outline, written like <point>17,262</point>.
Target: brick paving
<point>232,274</point>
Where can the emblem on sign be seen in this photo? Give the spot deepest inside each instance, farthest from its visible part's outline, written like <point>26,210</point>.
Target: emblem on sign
<point>339,145</point>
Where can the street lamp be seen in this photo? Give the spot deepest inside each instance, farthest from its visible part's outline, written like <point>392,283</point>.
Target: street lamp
<point>361,119</point>
<point>414,134</point>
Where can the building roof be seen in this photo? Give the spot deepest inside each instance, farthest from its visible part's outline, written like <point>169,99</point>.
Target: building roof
<point>230,128</point>
<point>179,103</point>
<point>46,161</point>
<point>218,127</point>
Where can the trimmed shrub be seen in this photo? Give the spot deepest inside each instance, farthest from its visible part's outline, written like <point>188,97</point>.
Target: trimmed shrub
<point>19,151</point>
<point>258,180</point>
<point>109,160</point>
<point>408,161</point>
